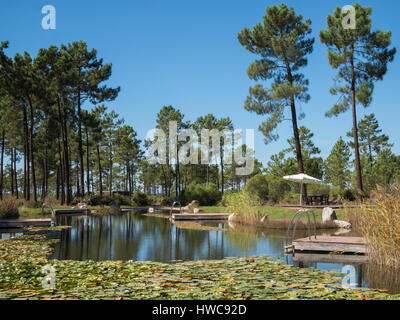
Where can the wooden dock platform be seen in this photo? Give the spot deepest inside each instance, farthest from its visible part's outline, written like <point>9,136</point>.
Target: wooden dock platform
<point>200,216</point>
<point>330,258</point>
<point>20,223</point>
<point>355,245</point>
<point>71,211</point>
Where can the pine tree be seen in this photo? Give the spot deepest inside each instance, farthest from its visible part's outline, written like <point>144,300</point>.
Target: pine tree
<point>370,137</point>
<point>283,42</point>
<point>337,165</point>
<point>361,57</point>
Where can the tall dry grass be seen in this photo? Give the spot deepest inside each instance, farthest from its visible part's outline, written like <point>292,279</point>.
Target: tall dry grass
<point>9,208</point>
<point>380,225</point>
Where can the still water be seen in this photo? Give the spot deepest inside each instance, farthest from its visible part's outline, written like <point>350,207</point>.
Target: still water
<point>134,236</point>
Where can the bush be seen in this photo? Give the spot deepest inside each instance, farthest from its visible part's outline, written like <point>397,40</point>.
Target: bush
<point>206,195</point>
<point>277,188</point>
<point>292,198</point>
<point>342,194</point>
<point>140,199</point>
<point>318,189</point>
<point>122,200</point>
<point>258,186</point>
<point>9,208</point>
<point>30,204</point>
<point>94,200</point>
<point>160,200</point>
<point>225,198</point>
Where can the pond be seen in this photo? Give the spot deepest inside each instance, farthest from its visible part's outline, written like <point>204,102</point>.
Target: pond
<point>139,237</point>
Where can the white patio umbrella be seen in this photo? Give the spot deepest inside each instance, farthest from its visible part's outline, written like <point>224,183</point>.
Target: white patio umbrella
<point>302,179</point>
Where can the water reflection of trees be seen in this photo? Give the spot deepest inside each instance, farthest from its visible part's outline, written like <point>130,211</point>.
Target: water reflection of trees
<point>134,237</point>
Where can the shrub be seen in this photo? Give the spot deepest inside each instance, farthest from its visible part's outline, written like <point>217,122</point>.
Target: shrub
<point>225,197</point>
<point>342,194</point>
<point>160,200</point>
<point>105,200</point>
<point>206,195</point>
<point>277,188</point>
<point>258,186</point>
<point>292,197</point>
<point>122,200</point>
<point>318,189</point>
<point>30,204</point>
<point>94,200</point>
<point>140,199</point>
<point>9,208</point>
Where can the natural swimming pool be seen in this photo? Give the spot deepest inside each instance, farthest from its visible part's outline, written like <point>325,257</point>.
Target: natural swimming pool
<point>139,237</point>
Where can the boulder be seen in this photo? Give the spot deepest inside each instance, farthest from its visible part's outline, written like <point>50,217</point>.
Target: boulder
<point>82,205</point>
<point>328,214</point>
<point>191,206</point>
<point>342,224</point>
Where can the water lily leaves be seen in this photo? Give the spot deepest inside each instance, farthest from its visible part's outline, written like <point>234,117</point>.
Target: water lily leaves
<point>22,260</point>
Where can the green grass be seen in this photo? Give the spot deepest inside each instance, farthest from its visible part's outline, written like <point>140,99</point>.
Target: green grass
<point>277,212</point>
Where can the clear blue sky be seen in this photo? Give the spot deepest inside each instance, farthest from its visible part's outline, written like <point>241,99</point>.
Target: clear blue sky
<point>185,53</point>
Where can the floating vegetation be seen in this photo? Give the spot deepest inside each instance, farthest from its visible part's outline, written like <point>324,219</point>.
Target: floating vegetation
<point>196,226</point>
<point>21,277</point>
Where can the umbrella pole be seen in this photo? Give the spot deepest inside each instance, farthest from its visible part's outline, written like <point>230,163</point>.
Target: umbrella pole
<point>301,194</point>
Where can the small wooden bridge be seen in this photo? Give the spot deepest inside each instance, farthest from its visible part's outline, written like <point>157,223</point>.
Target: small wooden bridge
<point>21,223</point>
<point>199,216</point>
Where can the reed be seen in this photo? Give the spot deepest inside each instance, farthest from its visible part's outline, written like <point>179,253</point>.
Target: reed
<point>380,225</point>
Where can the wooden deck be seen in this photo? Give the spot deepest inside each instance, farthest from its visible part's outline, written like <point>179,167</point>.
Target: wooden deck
<point>200,216</point>
<point>330,258</point>
<point>20,223</point>
<point>71,211</point>
<point>330,244</point>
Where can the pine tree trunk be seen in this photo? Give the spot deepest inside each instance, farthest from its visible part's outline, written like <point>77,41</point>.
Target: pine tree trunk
<point>100,175</point>
<point>111,171</point>
<point>27,158</point>
<point>360,191</point>
<point>58,184</point>
<point>303,190</point>
<point>87,162</point>
<point>67,165</point>
<point>12,171</point>
<point>32,154</point>
<point>15,174</point>
<point>222,175</point>
<point>82,175</point>
<point>2,163</point>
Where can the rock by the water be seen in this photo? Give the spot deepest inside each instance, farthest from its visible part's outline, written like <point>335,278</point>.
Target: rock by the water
<point>328,214</point>
<point>82,205</point>
<point>342,224</point>
<point>191,206</point>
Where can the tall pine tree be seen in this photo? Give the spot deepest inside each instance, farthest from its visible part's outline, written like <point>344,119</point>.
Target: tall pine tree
<point>361,57</point>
